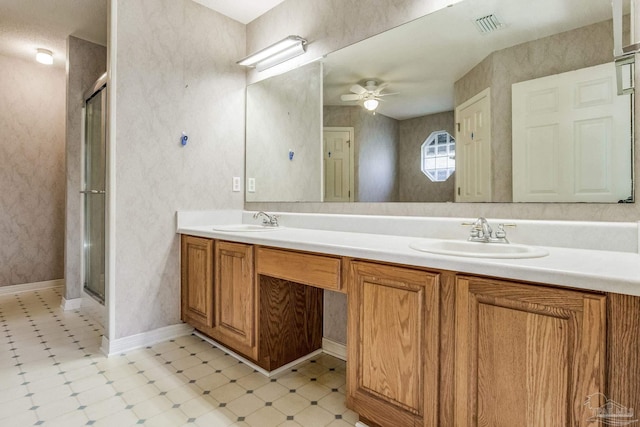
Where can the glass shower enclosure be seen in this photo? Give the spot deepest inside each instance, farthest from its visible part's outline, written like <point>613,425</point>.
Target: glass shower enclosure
<point>94,191</point>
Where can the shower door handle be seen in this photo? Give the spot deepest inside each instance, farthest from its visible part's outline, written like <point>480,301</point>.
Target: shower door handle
<point>92,192</point>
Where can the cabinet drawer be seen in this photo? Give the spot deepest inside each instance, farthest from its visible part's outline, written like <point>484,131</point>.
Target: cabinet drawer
<point>314,270</point>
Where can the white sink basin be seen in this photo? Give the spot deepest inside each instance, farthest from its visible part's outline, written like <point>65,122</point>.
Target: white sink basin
<point>234,228</point>
<point>477,249</point>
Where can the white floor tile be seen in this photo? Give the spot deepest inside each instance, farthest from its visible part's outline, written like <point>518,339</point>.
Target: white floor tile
<point>52,373</point>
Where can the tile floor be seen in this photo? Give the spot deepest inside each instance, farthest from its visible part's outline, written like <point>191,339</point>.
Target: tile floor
<point>53,374</point>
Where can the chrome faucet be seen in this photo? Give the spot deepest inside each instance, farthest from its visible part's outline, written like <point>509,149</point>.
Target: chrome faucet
<point>481,231</point>
<point>268,220</point>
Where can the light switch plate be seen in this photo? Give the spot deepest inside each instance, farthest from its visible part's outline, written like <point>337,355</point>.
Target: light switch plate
<point>251,185</point>
<point>236,184</point>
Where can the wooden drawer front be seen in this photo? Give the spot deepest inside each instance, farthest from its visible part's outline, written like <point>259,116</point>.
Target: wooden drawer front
<point>308,269</point>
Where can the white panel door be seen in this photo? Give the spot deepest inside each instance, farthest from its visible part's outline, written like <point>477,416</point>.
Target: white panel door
<point>338,164</point>
<point>571,138</point>
<point>473,149</point>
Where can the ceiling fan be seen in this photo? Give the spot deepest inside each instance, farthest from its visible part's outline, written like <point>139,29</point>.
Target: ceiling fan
<point>370,93</point>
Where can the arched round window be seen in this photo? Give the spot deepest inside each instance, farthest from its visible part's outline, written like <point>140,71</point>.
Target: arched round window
<point>438,156</point>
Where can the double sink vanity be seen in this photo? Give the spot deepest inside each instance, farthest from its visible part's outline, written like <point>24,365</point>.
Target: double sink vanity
<point>441,330</point>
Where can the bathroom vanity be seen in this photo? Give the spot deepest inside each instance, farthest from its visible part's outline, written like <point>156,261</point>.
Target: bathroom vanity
<point>433,340</point>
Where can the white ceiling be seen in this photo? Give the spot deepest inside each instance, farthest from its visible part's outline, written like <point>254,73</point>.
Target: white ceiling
<point>26,25</point>
<point>243,11</point>
<point>422,59</point>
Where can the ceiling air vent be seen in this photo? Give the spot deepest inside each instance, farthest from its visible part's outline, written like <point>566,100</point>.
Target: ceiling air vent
<point>488,24</point>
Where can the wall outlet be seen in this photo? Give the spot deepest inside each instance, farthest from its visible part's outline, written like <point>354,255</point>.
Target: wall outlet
<point>251,185</point>
<point>237,185</point>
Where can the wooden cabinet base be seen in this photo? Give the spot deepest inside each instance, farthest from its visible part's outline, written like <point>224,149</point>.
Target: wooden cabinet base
<point>426,348</point>
<point>290,324</point>
<point>290,321</point>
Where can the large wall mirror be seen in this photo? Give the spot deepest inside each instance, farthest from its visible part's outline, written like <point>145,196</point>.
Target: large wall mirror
<point>484,101</point>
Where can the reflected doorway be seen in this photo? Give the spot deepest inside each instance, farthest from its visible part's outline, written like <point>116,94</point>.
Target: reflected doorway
<point>338,164</point>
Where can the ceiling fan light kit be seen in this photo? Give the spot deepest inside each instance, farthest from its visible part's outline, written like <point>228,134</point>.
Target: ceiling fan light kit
<point>277,53</point>
<point>371,104</point>
<point>370,94</point>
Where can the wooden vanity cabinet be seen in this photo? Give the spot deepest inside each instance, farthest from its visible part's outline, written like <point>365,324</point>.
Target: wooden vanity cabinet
<point>235,298</point>
<point>526,355</point>
<point>392,374</point>
<point>196,265</point>
<point>256,305</point>
<point>425,348</point>
<point>219,292</point>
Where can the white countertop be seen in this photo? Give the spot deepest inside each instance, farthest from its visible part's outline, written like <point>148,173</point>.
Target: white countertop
<point>599,270</point>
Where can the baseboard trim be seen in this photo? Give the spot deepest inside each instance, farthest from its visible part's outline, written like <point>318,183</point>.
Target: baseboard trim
<point>123,345</point>
<point>35,286</point>
<point>334,348</point>
<point>231,353</point>
<point>253,365</point>
<point>145,339</point>
<point>70,304</point>
<point>295,362</point>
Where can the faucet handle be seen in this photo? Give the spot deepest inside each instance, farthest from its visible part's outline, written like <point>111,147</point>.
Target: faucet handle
<point>501,233</point>
<point>476,229</point>
<point>502,226</point>
<point>468,224</point>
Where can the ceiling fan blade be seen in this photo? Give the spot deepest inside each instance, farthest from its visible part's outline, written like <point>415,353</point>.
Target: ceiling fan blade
<point>378,90</point>
<point>350,97</point>
<point>387,94</point>
<point>357,89</point>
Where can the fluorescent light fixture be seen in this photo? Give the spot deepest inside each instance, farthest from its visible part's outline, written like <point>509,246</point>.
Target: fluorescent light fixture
<point>275,54</point>
<point>44,56</point>
<point>371,104</point>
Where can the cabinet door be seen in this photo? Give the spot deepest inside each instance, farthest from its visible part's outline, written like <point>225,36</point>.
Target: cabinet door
<point>196,266</point>
<point>526,355</point>
<point>392,377</point>
<point>235,297</point>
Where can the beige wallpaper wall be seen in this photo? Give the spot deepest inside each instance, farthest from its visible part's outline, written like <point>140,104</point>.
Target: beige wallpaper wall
<point>86,62</point>
<point>293,98</point>
<point>175,71</point>
<point>31,171</point>
<point>413,184</point>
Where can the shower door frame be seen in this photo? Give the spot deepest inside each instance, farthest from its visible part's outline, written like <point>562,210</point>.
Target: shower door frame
<point>99,86</point>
